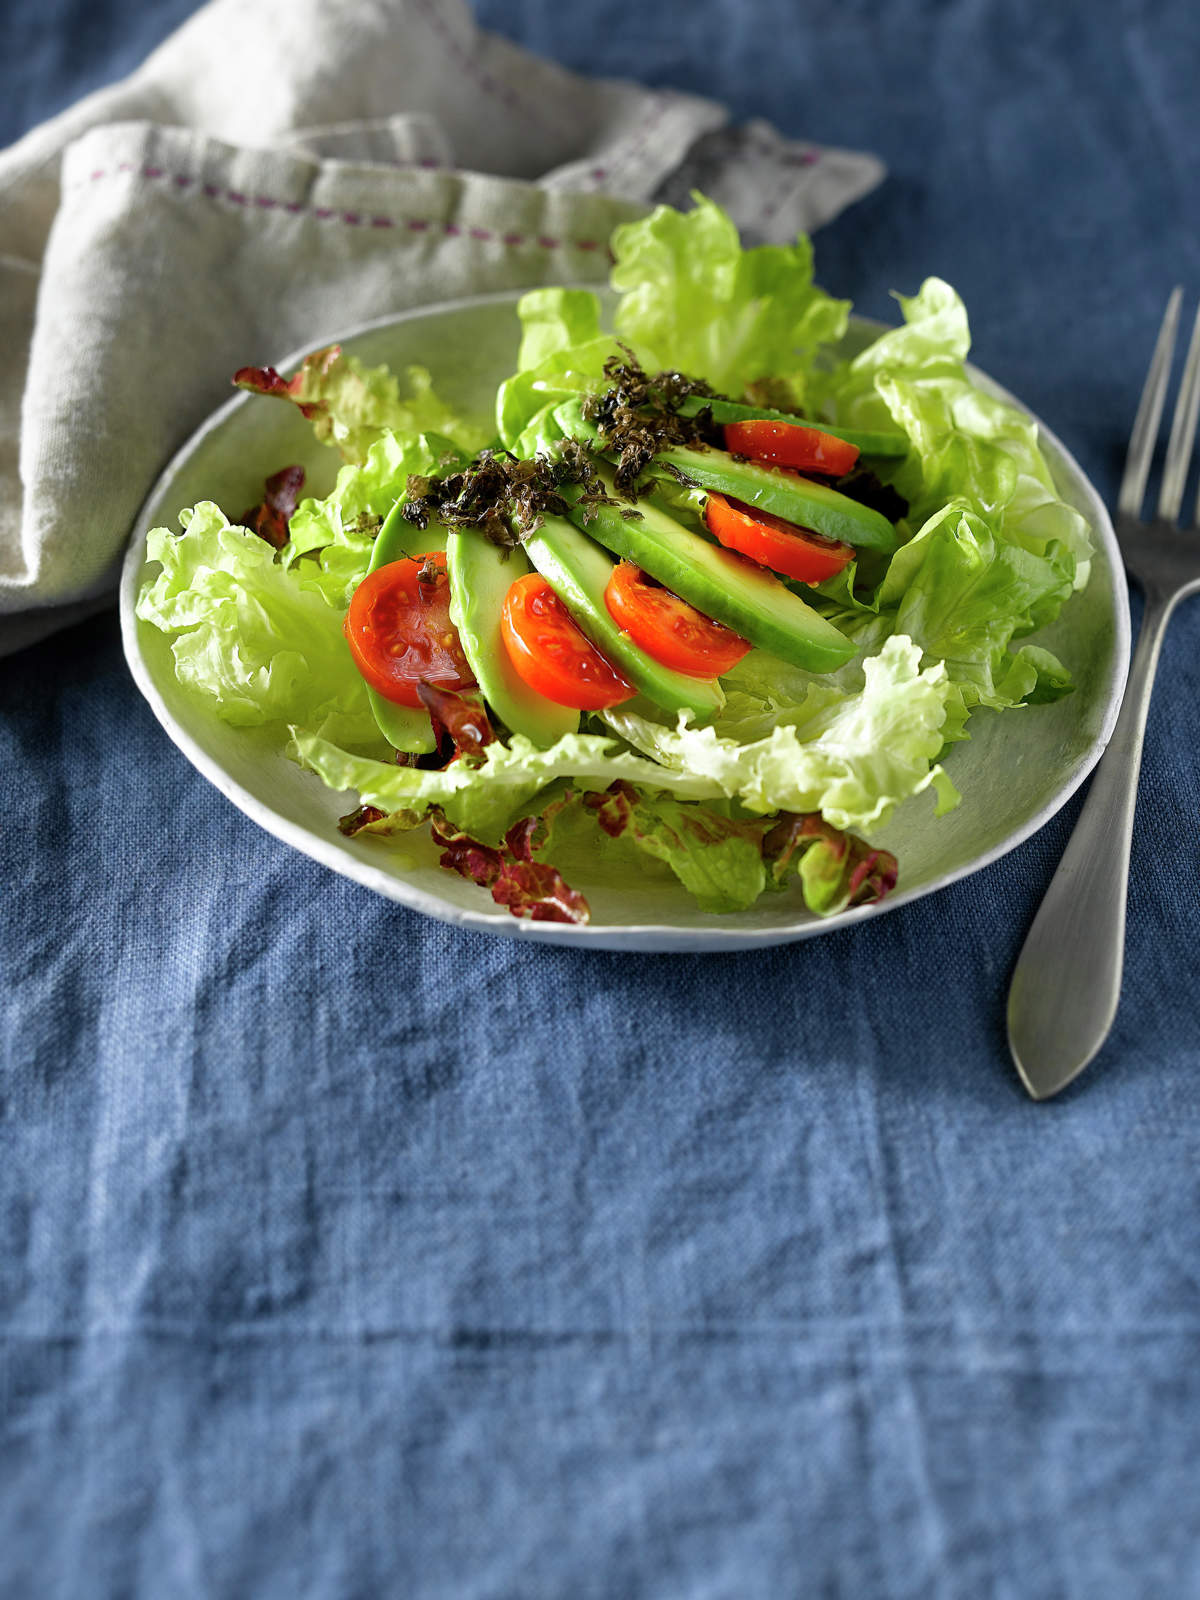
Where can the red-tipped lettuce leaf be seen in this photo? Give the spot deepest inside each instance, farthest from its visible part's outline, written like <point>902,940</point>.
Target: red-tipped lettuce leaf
<point>525,887</point>
<point>724,862</point>
<point>837,869</point>
<point>271,517</point>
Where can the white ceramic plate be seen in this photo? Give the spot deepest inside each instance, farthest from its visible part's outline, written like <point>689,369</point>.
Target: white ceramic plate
<point>1014,773</point>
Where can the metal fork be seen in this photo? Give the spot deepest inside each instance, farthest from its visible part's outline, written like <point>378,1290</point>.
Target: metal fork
<point>1067,979</point>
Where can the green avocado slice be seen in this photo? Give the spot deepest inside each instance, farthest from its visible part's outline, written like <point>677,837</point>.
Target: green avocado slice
<point>784,494</point>
<point>480,576</point>
<point>870,443</point>
<point>578,571</point>
<point>404,727</point>
<point>751,601</point>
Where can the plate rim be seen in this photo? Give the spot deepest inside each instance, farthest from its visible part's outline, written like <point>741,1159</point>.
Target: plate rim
<point>644,936</point>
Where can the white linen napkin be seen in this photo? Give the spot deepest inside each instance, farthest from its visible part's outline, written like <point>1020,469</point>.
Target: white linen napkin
<point>282,169</point>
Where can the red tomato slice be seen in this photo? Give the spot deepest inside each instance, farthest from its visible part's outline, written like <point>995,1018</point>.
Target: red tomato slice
<point>790,444</point>
<point>400,633</point>
<point>772,542</point>
<point>668,628</point>
<point>551,653</point>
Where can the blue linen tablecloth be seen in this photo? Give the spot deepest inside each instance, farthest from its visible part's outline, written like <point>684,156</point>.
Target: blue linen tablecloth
<point>343,1254</point>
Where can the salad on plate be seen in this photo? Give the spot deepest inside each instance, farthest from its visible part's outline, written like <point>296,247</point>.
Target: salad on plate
<point>706,597</point>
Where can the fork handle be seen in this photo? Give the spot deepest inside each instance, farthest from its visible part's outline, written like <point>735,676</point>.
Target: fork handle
<point>1067,979</point>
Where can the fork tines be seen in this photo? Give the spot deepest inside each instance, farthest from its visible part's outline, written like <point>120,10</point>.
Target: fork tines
<point>1149,415</point>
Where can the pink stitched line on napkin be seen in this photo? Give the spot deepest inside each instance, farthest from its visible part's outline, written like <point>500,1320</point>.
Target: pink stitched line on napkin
<point>353,219</point>
<point>632,154</point>
<point>785,158</point>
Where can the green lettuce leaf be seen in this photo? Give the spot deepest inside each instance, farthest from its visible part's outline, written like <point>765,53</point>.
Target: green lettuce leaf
<point>933,342</point>
<point>724,862</point>
<point>996,551</point>
<point>691,299</point>
<point>484,797</point>
<point>968,447</point>
<point>962,593</point>
<point>718,860</point>
<point>556,321</point>
<point>851,756</point>
<point>704,306</point>
<point>562,356</point>
<point>343,526</point>
<point>261,642</point>
<point>351,405</point>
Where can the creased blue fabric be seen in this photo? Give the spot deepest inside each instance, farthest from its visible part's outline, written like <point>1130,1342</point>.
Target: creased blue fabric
<point>346,1255</point>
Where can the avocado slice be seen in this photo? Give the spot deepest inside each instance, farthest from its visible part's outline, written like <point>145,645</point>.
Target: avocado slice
<point>400,540</point>
<point>480,576</point>
<point>578,571</point>
<point>871,443</point>
<point>800,500</point>
<point>750,600</point>
<point>404,727</point>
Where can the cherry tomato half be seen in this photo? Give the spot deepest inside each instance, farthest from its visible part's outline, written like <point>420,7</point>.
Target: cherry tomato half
<point>551,653</point>
<point>789,444</point>
<point>399,630</point>
<point>668,628</point>
<point>772,542</point>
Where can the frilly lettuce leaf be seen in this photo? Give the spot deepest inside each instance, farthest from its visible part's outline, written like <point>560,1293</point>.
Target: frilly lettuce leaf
<point>691,299</point>
<point>851,756</point>
<point>562,356</point>
<point>261,642</point>
<point>996,550</point>
<point>724,862</point>
<point>718,860</point>
<point>524,886</point>
<point>483,797</point>
<point>963,593</point>
<point>343,526</point>
<point>704,306</point>
<point>933,342</point>
<point>968,446</point>
<point>351,405</point>
<point>555,321</point>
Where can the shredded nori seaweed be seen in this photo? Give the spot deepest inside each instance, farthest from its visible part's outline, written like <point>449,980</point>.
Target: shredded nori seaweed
<point>504,497</point>
<point>638,415</point>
